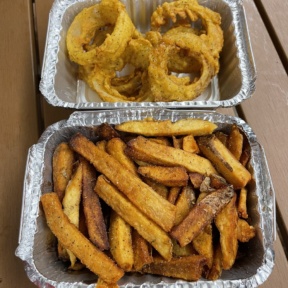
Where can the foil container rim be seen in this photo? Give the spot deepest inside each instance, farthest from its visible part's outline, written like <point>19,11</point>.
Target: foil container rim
<point>48,73</point>
<point>32,191</point>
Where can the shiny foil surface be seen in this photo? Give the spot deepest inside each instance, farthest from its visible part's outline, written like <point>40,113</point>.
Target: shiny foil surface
<point>37,244</point>
<point>234,83</point>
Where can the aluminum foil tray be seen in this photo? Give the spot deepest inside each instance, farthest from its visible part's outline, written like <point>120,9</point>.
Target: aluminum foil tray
<point>234,83</point>
<point>38,250</point>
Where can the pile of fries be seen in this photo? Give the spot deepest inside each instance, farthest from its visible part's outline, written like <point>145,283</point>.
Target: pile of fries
<point>158,197</point>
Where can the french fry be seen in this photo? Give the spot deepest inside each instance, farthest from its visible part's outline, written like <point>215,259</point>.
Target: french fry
<point>179,251</point>
<point>173,194</point>
<point>177,142</point>
<point>184,203</point>
<point>188,268</point>
<point>62,164</point>
<point>168,176</point>
<point>159,188</point>
<point>92,208</point>
<point>157,237</point>
<point>142,251</point>
<point>245,232</point>
<point>106,132</point>
<point>235,142</point>
<point>102,284</point>
<point>143,149</point>
<point>196,179</point>
<point>190,144</point>
<point>226,164</point>
<point>242,204</point>
<point>102,145</point>
<point>71,203</point>
<point>151,127</point>
<point>161,140</point>
<point>226,222</point>
<point>73,240</point>
<point>222,137</point>
<point>138,192</point>
<point>201,215</point>
<point>120,240</point>
<point>216,270</point>
<point>116,147</point>
<point>246,153</point>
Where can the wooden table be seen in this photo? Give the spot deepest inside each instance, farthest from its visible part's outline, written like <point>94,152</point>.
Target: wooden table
<point>25,114</point>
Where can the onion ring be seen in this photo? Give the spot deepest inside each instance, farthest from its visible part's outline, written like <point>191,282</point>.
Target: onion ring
<point>84,26</point>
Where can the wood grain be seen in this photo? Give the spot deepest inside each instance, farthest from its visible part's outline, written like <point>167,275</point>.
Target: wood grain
<point>19,129</point>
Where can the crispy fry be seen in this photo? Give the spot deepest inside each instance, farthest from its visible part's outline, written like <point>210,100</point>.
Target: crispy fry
<point>92,209</point>
<point>188,268</point>
<point>226,164</point>
<point>62,164</point>
<point>102,284</point>
<point>143,149</point>
<point>201,215</point>
<point>177,142</point>
<point>173,194</point>
<point>142,251</point>
<point>134,217</point>
<point>217,181</point>
<point>246,153</point>
<point>242,204</point>
<point>101,145</point>
<point>245,232</point>
<point>216,270</point>
<point>75,241</point>
<point>168,176</point>
<point>184,203</point>
<point>196,179</point>
<point>161,140</point>
<point>139,193</point>
<point>235,142</point>
<point>190,144</point>
<point>179,251</point>
<point>226,222</point>
<point>120,239</point>
<point>157,187</point>
<point>153,127</point>
<point>116,147</point>
<point>222,137</point>
<point>71,203</point>
<point>106,132</point>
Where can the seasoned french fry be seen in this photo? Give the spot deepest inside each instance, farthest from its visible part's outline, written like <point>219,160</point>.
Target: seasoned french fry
<point>142,251</point>
<point>157,187</point>
<point>161,140</point>
<point>242,204</point>
<point>245,232</point>
<point>235,142</point>
<point>143,149</point>
<point>168,176</point>
<point>201,215</point>
<point>173,194</point>
<point>73,240</point>
<point>92,208</point>
<point>184,203</point>
<point>139,193</point>
<point>106,132</point>
<point>217,181</point>
<point>101,145</point>
<point>226,164</point>
<point>196,179</point>
<point>120,239</point>
<point>179,251</point>
<point>177,142</point>
<point>62,164</point>
<point>190,144</point>
<point>226,222</point>
<point>246,153</point>
<point>216,270</point>
<point>116,147</point>
<point>153,127</point>
<point>102,284</point>
<point>71,203</point>
<point>222,137</point>
<point>188,268</point>
<point>134,217</point>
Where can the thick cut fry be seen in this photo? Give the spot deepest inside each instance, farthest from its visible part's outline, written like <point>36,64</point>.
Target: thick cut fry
<point>116,147</point>
<point>161,140</point>
<point>216,270</point>
<point>184,203</point>
<point>242,204</point>
<point>246,153</point>
<point>226,223</point>
<point>151,127</point>
<point>177,142</point>
<point>142,251</point>
<point>190,144</point>
<point>201,215</point>
<point>168,176</point>
<point>235,142</point>
<point>120,239</point>
<point>62,163</point>
<point>134,217</point>
<point>144,150</point>
<point>245,232</point>
<point>71,203</point>
<point>226,164</point>
<point>196,179</point>
<point>106,132</point>
<point>72,239</point>
<point>101,145</point>
<point>188,268</point>
<point>179,251</point>
<point>173,194</point>
<point>139,193</point>
<point>222,137</point>
<point>92,209</point>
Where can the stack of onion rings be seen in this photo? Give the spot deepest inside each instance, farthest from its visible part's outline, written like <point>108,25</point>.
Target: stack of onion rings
<point>103,40</point>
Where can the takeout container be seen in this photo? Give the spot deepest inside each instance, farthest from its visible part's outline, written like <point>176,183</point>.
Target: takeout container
<point>37,245</point>
<point>234,83</point>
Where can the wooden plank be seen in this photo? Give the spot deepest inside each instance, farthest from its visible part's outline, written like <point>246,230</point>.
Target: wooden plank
<point>277,22</point>
<point>19,129</point>
<point>50,114</point>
